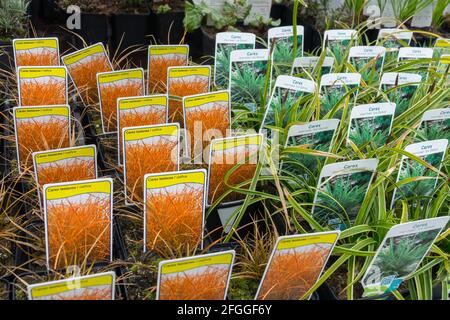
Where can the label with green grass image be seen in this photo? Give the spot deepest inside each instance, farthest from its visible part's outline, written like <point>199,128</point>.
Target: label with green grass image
<point>247,76</point>
<point>312,65</point>
<point>368,61</point>
<point>335,90</point>
<point>400,89</point>
<point>414,180</point>
<point>415,60</point>
<point>400,254</point>
<point>441,47</point>
<point>225,43</point>
<point>314,136</point>
<point>370,124</point>
<point>281,42</point>
<point>393,39</point>
<point>435,125</point>
<point>341,190</point>
<point>337,43</point>
<point>286,101</point>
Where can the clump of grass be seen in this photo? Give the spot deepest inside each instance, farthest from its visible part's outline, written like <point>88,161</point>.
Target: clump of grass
<point>37,135</point>
<point>109,93</point>
<point>28,58</point>
<point>78,169</point>
<point>174,219</point>
<point>292,273</point>
<point>78,231</point>
<point>207,285</point>
<point>147,158</point>
<point>84,75</point>
<point>43,93</point>
<point>181,88</point>
<point>157,82</point>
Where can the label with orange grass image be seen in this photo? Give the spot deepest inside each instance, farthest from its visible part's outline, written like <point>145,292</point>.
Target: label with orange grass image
<point>114,85</point>
<point>206,116</point>
<point>98,286</point>
<point>295,265</point>
<point>185,81</point>
<point>139,111</point>
<point>64,165</point>
<point>42,86</point>
<point>39,129</point>
<point>202,277</point>
<point>36,52</point>
<point>160,58</point>
<point>236,156</point>
<point>78,222</point>
<point>148,149</point>
<point>83,66</point>
<point>174,207</point>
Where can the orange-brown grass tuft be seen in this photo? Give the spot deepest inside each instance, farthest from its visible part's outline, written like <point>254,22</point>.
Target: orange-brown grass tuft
<point>109,95</point>
<point>158,72</point>
<point>39,136</point>
<point>291,274</point>
<point>87,294</point>
<point>36,93</point>
<point>208,285</point>
<point>78,169</point>
<point>78,232</point>
<point>147,158</point>
<point>45,58</point>
<point>213,120</point>
<point>221,165</point>
<point>174,219</point>
<point>181,88</point>
<point>84,75</point>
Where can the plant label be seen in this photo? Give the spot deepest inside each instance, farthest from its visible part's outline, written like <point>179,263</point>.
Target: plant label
<point>338,41</point>
<point>98,286</point>
<point>310,65</point>
<point>148,149</point>
<point>174,211</point>
<point>160,58</point>
<point>36,52</point>
<point>368,61</point>
<point>202,277</point>
<point>341,190</point>
<point>83,66</point>
<point>295,265</point>
<point>413,53</point>
<point>42,86</point>
<point>441,46</point>
<point>424,17</point>
<point>248,70</point>
<point>206,116</point>
<point>371,124</point>
<point>225,43</point>
<point>113,85</point>
<point>393,39</point>
<point>139,111</point>
<point>185,81</point>
<point>400,89</point>
<point>315,138</point>
<point>400,254</point>
<point>78,222</point>
<point>235,157</point>
<point>335,89</point>
<point>435,125</point>
<point>39,129</point>
<point>61,165</point>
<point>415,180</point>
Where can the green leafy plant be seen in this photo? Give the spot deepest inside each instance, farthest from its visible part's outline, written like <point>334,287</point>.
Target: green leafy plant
<point>13,18</point>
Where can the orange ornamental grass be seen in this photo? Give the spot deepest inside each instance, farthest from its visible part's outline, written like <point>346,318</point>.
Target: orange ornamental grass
<point>181,88</point>
<point>44,58</point>
<point>221,164</point>
<point>84,75</point>
<point>78,232</point>
<point>63,171</point>
<point>109,95</point>
<point>174,219</point>
<point>214,121</point>
<point>43,93</point>
<point>291,274</point>
<point>87,294</point>
<point>158,71</point>
<point>37,135</point>
<point>207,285</point>
<point>147,158</point>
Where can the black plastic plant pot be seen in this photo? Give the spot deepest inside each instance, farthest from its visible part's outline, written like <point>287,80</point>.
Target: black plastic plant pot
<point>195,42</point>
<point>51,12</point>
<point>94,28</point>
<point>423,40</point>
<point>34,10</point>
<point>168,27</point>
<point>370,36</point>
<point>277,12</point>
<point>131,30</point>
<point>208,42</point>
<point>107,154</point>
<point>6,56</point>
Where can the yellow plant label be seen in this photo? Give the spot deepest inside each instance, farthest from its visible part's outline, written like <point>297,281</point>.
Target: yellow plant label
<point>120,75</point>
<point>52,156</point>
<point>133,103</point>
<point>150,132</point>
<point>161,50</point>
<point>196,262</point>
<point>28,44</point>
<point>179,72</point>
<point>84,53</point>
<point>31,73</point>
<point>191,102</point>
<point>32,112</point>
<point>167,180</point>
<point>77,188</point>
